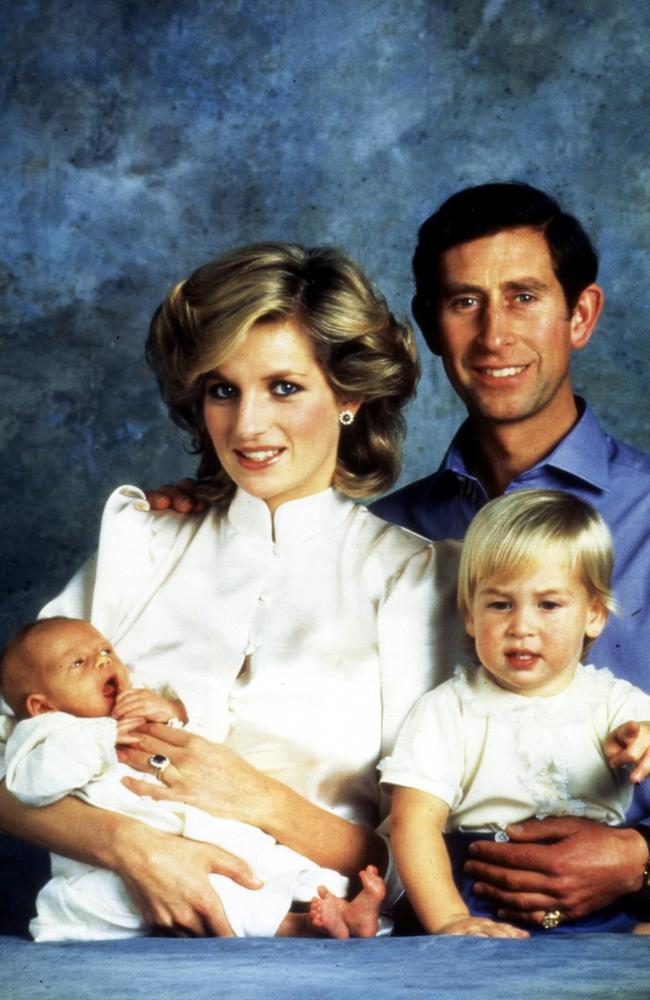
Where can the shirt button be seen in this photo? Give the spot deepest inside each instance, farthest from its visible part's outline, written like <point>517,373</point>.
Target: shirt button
<point>263,599</point>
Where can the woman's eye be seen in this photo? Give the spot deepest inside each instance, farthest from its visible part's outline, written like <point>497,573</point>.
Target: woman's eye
<point>78,663</point>
<point>221,390</point>
<point>549,605</point>
<point>498,605</point>
<point>285,388</point>
<point>106,651</point>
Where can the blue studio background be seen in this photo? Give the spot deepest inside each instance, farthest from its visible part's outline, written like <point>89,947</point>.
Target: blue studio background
<point>141,137</point>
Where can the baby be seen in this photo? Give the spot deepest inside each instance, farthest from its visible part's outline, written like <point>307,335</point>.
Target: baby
<point>529,731</point>
<point>73,704</point>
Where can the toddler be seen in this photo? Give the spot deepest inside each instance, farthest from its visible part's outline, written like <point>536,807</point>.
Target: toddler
<point>529,731</point>
<point>73,702</point>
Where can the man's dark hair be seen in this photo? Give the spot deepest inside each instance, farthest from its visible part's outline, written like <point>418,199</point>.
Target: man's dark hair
<point>488,209</point>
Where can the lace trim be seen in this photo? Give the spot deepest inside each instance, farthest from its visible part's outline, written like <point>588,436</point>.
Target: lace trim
<point>542,764</point>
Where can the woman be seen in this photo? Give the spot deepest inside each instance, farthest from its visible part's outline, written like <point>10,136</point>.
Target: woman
<point>297,627</point>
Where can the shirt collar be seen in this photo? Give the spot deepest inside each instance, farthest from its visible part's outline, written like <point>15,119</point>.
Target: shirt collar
<point>582,453</point>
<point>294,521</point>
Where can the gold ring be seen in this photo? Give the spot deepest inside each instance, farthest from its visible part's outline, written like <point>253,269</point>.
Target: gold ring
<point>551,919</point>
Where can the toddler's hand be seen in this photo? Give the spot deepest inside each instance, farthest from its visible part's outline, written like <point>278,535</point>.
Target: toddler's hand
<point>629,743</point>
<point>146,704</point>
<point>481,927</point>
<point>126,732</point>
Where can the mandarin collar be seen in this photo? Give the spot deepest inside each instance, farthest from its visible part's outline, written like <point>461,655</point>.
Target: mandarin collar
<point>294,521</point>
<point>582,453</point>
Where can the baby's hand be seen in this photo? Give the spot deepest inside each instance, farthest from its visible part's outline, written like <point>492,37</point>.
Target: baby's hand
<point>145,704</point>
<point>481,927</point>
<point>629,743</point>
<point>126,732</point>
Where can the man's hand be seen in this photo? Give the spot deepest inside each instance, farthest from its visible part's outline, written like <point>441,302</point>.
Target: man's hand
<point>566,863</point>
<point>629,743</point>
<point>180,497</point>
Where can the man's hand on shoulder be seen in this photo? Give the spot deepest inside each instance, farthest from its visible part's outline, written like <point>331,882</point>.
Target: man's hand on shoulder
<point>562,863</point>
<point>180,497</point>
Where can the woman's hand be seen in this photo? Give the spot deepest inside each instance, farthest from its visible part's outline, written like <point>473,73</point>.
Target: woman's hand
<point>214,778</point>
<point>167,878</point>
<point>201,773</point>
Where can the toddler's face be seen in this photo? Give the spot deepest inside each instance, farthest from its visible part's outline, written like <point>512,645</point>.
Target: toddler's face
<point>529,630</point>
<point>77,672</point>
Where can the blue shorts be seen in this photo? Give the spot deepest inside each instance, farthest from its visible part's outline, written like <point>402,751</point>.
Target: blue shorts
<point>614,918</point>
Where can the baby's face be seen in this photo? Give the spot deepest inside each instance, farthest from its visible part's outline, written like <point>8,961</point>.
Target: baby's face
<point>77,670</point>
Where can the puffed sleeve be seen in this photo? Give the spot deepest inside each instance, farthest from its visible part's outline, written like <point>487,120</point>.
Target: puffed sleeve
<point>420,631</point>
<point>613,700</point>
<point>627,702</point>
<point>137,549</point>
<point>429,753</point>
<point>51,755</point>
<point>104,589</point>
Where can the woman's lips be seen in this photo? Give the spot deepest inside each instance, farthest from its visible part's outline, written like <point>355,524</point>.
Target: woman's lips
<point>255,459</point>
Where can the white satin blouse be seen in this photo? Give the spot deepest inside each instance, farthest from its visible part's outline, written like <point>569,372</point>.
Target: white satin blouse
<point>302,644</point>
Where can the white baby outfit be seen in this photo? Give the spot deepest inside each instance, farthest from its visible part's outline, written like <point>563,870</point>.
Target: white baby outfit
<point>57,754</point>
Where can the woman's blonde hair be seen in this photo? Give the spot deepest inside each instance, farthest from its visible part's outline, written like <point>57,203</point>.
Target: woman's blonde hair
<point>517,531</point>
<point>363,351</point>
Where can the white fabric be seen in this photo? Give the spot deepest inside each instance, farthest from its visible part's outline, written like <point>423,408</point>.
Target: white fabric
<point>497,757</point>
<point>302,644</point>
<point>56,754</point>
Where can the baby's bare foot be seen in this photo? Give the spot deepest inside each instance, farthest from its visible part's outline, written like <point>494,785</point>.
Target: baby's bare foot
<point>326,912</point>
<point>358,918</point>
<point>362,914</point>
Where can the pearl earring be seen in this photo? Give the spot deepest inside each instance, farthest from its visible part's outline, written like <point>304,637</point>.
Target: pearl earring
<point>346,417</point>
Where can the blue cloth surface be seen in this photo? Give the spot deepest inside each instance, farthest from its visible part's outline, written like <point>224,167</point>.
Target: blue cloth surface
<point>595,966</point>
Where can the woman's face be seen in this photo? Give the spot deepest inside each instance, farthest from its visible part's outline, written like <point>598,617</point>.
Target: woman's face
<point>272,417</point>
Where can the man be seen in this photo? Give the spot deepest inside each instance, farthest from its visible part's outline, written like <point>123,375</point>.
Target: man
<point>505,291</point>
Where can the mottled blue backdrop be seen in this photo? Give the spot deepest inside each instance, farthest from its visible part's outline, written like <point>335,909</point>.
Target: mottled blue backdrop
<point>140,137</point>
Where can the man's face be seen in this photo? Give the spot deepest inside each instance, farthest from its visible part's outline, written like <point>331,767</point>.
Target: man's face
<point>505,335</point>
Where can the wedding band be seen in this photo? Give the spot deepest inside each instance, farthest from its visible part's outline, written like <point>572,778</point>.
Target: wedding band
<point>551,919</point>
<point>160,763</point>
